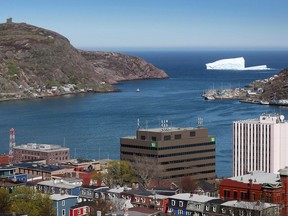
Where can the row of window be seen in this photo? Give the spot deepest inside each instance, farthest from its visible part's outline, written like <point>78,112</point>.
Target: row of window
<point>168,147</point>
<point>185,146</point>
<point>168,137</point>
<point>191,167</point>
<point>187,160</point>
<point>186,153</point>
<point>168,155</point>
<point>191,174</point>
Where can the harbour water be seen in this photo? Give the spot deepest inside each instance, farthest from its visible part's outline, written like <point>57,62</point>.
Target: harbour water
<point>92,124</point>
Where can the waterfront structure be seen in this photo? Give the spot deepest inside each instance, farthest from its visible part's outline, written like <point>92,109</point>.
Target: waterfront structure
<point>260,144</point>
<point>177,152</point>
<point>53,154</point>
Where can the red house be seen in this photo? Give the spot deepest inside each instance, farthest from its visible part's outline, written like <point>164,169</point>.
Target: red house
<point>4,159</point>
<point>258,185</point>
<point>81,209</point>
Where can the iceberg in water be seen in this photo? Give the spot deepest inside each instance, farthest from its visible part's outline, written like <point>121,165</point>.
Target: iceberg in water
<point>233,64</point>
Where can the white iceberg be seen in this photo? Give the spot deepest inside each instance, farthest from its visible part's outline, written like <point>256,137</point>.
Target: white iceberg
<point>233,64</point>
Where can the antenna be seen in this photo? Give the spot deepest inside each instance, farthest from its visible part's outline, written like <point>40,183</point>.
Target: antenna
<point>138,124</point>
<point>164,124</point>
<point>12,141</point>
<point>200,122</point>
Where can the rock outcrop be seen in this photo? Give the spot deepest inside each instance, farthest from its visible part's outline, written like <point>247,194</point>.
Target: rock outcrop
<point>36,62</point>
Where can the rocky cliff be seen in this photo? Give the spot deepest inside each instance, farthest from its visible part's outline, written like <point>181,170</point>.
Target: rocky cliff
<point>274,88</point>
<point>35,62</point>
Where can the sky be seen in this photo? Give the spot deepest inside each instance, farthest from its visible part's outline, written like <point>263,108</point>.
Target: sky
<point>158,24</point>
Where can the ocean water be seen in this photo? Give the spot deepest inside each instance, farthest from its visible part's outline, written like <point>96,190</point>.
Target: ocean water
<point>91,124</point>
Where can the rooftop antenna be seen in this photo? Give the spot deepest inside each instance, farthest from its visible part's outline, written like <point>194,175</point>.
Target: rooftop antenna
<point>12,141</point>
<point>200,122</point>
<point>164,124</point>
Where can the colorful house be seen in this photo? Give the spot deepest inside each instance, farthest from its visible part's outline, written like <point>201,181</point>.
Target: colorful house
<point>63,203</point>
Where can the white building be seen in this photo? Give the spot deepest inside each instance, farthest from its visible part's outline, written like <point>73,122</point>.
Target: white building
<point>260,144</point>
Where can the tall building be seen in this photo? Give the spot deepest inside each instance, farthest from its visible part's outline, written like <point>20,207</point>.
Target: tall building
<point>260,144</point>
<point>178,152</point>
<point>53,154</point>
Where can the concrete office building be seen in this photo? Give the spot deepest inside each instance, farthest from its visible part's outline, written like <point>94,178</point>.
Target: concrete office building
<point>53,154</point>
<point>178,152</point>
<point>260,144</point>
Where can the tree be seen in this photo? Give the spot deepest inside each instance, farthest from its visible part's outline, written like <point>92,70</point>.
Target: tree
<point>100,205</point>
<point>187,185</point>
<point>145,169</point>
<point>5,201</point>
<point>31,202</point>
<point>117,173</point>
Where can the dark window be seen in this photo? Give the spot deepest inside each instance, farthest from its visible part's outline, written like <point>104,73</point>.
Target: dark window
<point>244,196</point>
<point>192,133</point>
<point>153,138</point>
<point>226,194</point>
<point>168,137</point>
<point>235,195</point>
<point>178,136</point>
<point>143,137</point>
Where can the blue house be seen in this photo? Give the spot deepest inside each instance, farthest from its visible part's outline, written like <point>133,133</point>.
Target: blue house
<point>63,203</point>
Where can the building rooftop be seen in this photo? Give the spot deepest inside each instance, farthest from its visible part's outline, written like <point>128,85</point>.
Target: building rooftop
<point>192,197</point>
<point>258,177</point>
<point>41,147</point>
<point>7,167</point>
<point>265,119</point>
<point>81,204</point>
<point>248,205</point>
<point>39,167</point>
<point>168,129</point>
<point>62,184</point>
<point>58,197</point>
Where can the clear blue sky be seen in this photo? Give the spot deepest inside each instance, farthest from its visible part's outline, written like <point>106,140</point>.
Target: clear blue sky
<point>158,23</point>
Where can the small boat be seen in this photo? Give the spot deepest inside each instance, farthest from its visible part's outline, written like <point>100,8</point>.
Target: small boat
<point>138,90</point>
<point>264,102</point>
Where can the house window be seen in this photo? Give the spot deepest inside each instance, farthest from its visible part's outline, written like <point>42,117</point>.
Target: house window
<point>154,139</point>
<point>63,202</point>
<point>214,208</point>
<point>178,136</point>
<point>207,208</point>
<point>143,137</point>
<point>223,210</point>
<point>136,199</point>
<point>168,137</point>
<point>79,211</point>
<point>192,133</point>
<point>63,212</point>
<point>180,212</point>
<point>143,200</point>
<point>181,204</point>
<point>198,206</point>
<point>235,195</point>
<point>173,202</point>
